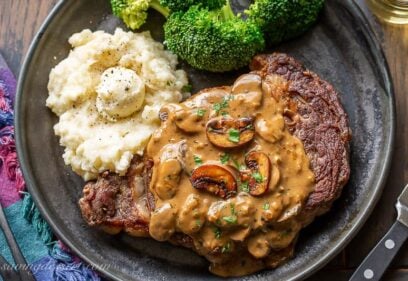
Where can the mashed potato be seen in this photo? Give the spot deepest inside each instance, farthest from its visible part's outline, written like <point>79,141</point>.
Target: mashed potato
<point>107,94</point>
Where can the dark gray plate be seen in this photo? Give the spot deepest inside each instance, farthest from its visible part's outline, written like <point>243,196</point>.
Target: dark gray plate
<point>341,49</point>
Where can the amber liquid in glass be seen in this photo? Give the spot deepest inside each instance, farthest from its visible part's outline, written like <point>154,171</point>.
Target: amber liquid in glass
<point>393,11</point>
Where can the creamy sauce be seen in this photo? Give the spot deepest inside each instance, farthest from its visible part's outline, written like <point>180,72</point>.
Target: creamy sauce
<point>238,234</point>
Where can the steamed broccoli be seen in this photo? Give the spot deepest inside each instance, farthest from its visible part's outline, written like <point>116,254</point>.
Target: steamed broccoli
<point>284,19</point>
<point>215,40</point>
<point>134,12</point>
<point>183,5</point>
<point>209,36</point>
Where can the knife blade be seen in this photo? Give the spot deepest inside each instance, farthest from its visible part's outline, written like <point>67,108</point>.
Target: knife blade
<point>402,207</point>
<point>378,260</point>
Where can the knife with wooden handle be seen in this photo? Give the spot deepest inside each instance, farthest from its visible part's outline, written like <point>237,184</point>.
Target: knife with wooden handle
<point>378,260</point>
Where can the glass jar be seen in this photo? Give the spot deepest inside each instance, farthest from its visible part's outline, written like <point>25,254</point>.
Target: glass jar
<point>393,11</point>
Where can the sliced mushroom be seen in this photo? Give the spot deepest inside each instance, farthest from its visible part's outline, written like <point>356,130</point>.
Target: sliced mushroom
<point>258,246</point>
<point>260,166</point>
<point>168,178</point>
<point>216,179</point>
<point>189,120</point>
<point>168,172</point>
<point>226,132</point>
<point>192,214</point>
<point>248,88</point>
<point>275,177</point>
<point>162,222</point>
<point>169,110</point>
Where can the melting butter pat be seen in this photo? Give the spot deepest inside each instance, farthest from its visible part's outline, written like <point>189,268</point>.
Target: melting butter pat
<point>121,93</point>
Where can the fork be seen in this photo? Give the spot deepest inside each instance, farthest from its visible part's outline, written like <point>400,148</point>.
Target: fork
<point>24,273</point>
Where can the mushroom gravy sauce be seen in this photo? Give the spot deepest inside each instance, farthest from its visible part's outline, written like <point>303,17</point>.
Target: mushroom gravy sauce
<point>228,174</point>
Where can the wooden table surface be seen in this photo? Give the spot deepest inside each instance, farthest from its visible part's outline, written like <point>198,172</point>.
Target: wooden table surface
<point>20,19</point>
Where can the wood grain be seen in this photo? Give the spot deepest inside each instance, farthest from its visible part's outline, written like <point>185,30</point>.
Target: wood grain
<point>20,19</point>
<point>396,48</point>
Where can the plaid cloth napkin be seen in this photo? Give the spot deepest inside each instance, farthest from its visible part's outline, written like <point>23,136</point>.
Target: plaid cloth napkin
<point>48,258</point>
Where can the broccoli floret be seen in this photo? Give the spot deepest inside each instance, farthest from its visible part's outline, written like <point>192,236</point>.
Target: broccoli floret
<point>215,40</point>
<point>183,5</point>
<point>284,19</point>
<point>134,12</point>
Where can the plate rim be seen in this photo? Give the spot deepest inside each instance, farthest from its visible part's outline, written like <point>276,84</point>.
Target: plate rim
<point>379,58</point>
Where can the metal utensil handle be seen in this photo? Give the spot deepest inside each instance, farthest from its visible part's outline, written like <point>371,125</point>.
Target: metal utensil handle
<point>377,262</point>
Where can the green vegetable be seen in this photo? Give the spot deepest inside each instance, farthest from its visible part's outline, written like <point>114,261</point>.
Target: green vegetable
<point>233,135</point>
<point>187,88</point>
<point>134,12</point>
<point>223,104</point>
<point>183,5</point>
<point>284,19</point>
<point>232,208</point>
<point>197,160</point>
<point>224,158</point>
<point>213,40</point>
<point>258,177</point>
<point>209,36</point>
<point>230,219</point>
<point>237,165</point>
<point>266,206</point>
<point>226,248</point>
<point>201,112</point>
<point>217,232</point>
<point>243,186</point>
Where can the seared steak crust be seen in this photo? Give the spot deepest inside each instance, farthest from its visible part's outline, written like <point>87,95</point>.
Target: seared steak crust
<point>318,119</point>
<point>118,203</point>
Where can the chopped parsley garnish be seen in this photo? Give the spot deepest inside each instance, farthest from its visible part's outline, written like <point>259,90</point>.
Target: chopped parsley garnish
<point>217,232</point>
<point>224,113</point>
<point>233,218</point>
<point>266,206</point>
<point>243,186</point>
<point>232,208</point>
<point>224,158</point>
<point>201,112</point>
<point>258,177</point>
<point>197,159</point>
<point>230,219</point>
<point>233,135</point>
<point>226,248</point>
<point>198,223</point>
<point>221,105</point>
<point>217,107</point>
<point>187,88</point>
<point>236,164</point>
<point>240,167</point>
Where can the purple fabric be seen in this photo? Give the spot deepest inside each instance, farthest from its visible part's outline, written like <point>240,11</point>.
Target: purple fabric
<point>59,264</point>
<point>9,82</point>
<point>11,180</point>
